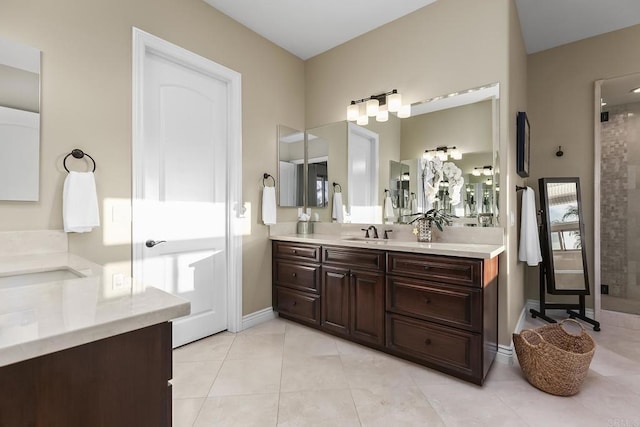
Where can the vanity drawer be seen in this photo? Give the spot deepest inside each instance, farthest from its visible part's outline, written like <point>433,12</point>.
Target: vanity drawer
<point>299,251</point>
<point>347,257</point>
<point>305,277</point>
<point>459,271</point>
<point>446,304</point>
<point>298,305</point>
<point>448,348</point>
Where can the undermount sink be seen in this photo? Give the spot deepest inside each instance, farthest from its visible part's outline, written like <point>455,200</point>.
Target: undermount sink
<point>26,279</point>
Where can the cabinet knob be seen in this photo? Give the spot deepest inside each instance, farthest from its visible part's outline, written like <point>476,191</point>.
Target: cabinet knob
<point>427,267</point>
<point>427,301</point>
<point>293,251</point>
<point>293,274</point>
<point>295,302</point>
<point>427,341</point>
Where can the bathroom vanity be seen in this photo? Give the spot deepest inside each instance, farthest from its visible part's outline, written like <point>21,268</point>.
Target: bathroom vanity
<point>77,351</point>
<point>430,303</point>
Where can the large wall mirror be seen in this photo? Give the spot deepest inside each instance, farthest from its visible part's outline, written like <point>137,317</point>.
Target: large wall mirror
<point>366,160</point>
<point>564,251</point>
<point>19,122</point>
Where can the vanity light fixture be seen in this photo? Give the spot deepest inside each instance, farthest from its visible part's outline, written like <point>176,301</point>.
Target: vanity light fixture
<point>378,106</point>
<point>442,153</point>
<point>484,170</point>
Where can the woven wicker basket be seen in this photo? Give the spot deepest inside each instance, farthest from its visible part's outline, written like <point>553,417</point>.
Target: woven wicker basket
<point>554,360</point>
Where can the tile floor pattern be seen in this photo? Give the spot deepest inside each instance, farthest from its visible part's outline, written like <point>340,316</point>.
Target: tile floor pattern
<point>280,373</point>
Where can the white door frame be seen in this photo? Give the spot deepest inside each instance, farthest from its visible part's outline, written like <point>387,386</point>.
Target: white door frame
<point>142,43</point>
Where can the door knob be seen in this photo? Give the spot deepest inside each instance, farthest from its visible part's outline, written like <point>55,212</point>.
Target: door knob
<point>152,243</point>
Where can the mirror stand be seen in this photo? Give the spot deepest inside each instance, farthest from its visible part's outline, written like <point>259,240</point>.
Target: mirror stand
<point>563,270</point>
<point>544,306</point>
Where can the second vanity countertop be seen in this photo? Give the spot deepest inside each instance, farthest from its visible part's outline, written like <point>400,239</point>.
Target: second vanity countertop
<point>42,318</point>
<point>466,250</point>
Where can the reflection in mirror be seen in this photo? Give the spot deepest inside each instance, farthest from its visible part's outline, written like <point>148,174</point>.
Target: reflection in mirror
<point>19,122</point>
<point>290,167</point>
<point>317,171</point>
<point>467,120</point>
<point>399,177</point>
<point>565,252</point>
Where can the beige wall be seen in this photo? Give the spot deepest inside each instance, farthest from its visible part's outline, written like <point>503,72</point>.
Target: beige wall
<point>561,112</point>
<point>445,47</point>
<point>86,103</point>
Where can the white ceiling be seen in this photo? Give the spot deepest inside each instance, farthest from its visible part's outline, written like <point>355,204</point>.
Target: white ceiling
<point>309,27</point>
<point>550,23</point>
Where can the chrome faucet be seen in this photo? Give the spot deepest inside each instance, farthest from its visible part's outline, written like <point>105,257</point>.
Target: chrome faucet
<point>375,231</point>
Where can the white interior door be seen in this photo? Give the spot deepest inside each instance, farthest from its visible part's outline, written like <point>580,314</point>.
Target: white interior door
<point>362,175</point>
<point>181,215</point>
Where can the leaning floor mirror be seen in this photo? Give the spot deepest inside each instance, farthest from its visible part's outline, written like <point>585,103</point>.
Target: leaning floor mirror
<point>563,240</point>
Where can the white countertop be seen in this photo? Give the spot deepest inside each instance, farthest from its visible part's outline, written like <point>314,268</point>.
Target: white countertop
<point>42,318</point>
<point>465,250</point>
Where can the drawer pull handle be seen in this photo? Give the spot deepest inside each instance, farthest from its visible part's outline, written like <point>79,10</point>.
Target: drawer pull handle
<point>427,341</point>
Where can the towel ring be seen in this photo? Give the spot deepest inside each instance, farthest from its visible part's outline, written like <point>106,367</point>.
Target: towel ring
<point>518,188</point>
<point>266,176</point>
<point>335,184</point>
<point>77,154</point>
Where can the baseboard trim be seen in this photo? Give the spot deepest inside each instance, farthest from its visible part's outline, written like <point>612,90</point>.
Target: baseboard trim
<point>506,352</point>
<point>258,317</point>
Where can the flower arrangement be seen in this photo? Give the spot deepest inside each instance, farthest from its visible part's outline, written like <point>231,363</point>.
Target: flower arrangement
<point>432,175</point>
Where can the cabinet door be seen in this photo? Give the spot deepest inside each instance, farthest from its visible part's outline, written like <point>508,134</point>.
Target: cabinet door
<point>367,307</point>
<point>335,299</point>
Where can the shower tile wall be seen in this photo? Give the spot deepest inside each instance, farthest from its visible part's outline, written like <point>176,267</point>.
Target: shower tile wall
<point>620,201</point>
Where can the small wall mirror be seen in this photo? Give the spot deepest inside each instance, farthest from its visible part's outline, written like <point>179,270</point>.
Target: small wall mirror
<point>291,155</point>
<point>317,171</point>
<point>19,122</point>
<point>564,252</point>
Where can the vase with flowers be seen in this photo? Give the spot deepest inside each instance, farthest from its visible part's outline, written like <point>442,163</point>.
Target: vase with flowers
<point>424,221</point>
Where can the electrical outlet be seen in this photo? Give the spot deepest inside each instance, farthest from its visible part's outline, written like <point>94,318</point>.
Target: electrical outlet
<point>118,281</point>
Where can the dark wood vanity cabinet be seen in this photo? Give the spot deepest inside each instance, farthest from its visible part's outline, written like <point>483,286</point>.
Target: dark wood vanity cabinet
<point>440,311</point>
<point>296,281</point>
<point>353,294</point>
<point>443,312</point>
<point>122,380</point>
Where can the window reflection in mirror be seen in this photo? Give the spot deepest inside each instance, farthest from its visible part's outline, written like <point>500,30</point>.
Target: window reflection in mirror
<point>317,171</point>
<point>290,167</point>
<point>19,122</point>
<point>560,200</point>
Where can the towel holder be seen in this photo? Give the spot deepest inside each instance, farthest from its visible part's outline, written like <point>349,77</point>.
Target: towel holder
<point>77,154</point>
<point>266,176</point>
<point>335,184</point>
<point>519,188</point>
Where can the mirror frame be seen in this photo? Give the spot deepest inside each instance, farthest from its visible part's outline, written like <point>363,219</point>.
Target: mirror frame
<point>546,242</point>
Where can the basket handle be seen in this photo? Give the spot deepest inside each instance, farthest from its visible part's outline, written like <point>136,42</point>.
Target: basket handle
<point>582,329</point>
<point>535,332</point>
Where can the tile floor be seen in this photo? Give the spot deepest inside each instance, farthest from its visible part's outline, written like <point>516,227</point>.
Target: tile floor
<point>283,374</point>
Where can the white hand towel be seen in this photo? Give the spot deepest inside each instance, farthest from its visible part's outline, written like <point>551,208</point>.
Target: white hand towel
<point>269,205</point>
<point>80,203</point>
<point>414,205</point>
<point>529,250</point>
<point>338,212</point>
<point>388,213</point>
